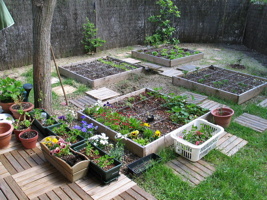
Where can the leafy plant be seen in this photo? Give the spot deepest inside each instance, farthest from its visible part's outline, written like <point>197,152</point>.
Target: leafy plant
<point>23,122</point>
<point>104,161</point>
<point>10,90</point>
<point>90,41</point>
<point>164,30</point>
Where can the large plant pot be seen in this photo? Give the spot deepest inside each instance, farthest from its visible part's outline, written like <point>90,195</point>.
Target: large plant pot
<point>222,116</point>
<point>6,130</point>
<point>17,132</point>
<point>104,176</point>
<point>78,171</point>
<point>15,113</point>
<point>29,143</point>
<point>6,106</point>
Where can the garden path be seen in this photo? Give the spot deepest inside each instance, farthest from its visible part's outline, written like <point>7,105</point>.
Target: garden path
<point>254,122</point>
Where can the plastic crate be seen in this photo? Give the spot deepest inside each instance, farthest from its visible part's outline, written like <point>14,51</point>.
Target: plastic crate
<point>191,151</point>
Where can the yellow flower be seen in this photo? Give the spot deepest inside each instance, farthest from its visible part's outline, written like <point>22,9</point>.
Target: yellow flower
<point>54,140</point>
<point>134,133</point>
<point>146,124</point>
<point>48,139</point>
<point>157,133</point>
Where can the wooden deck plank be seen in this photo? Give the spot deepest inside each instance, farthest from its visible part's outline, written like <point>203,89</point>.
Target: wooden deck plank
<point>142,192</point>
<point>3,171</point>
<point>81,193</point>
<point>118,198</point>
<point>39,153</point>
<point>13,162</point>
<point>223,139</point>
<point>194,168</point>
<point>43,197</point>
<point>251,121</point>
<point>2,195</point>
<point>226,149</point>
<point>20,159</point>
<point>135,194</point>
<point>236,148</point>
<point>61,194</point>
<point>70,192</point>
<point>197,97</point>
<point>182,174</point>
<point>119,190</point>
<point>34,156</point>
<point>7,164</point>
<point>209,166</point>
<point>241,122</point>
<point>27,158</point>
<point>74,102</point>
<point>52,195</point>
<point>15,187</point>
<point>127,196</point>
<point>7,190</point>
<point>89,184</point>
<point>257,118</point>
<point>227,142</point>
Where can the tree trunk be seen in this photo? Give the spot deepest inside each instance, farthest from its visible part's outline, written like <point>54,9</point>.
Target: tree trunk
<point>42,19</point>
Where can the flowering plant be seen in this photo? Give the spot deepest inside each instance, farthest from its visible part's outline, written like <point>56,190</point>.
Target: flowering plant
<point>85,129</point>
<point>197,136</point>
<point>57,147</point>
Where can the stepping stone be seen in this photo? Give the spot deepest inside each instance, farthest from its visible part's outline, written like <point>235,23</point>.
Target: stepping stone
<point>200,49</point>
<point>217,58</point>
<point>171,73</point>
<point>68,90</point>
<point>131,60</point>
<point>197,98</point>
<point>229,144</point>
<point>209,104</point>
<point>82,102</point>
<point>152,66</point>
<point>191,172</point>
<point>102,94</point>
<point>263,103</point>
<point>120,55</point>
<point>211,61</point>
<point>187,68</point>
<point>54,80</point>
<point>254,122</point>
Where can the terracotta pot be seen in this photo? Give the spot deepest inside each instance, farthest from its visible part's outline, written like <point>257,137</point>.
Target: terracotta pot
<point>222,116</point>
<point>15,113</point>
<point>17,132</point>
<point>6,130</point>
<point>30,142</point>
<point>6,106</point>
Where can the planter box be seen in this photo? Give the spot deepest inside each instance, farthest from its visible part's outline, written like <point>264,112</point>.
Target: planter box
<point>209,90</point>
<point>196,152</point>
<point>44,129</point>
<point>104,176</point>
<point>101,81</point>
<point>166,62</point>
<point>73,173</point>
<point>142,164</point>
<point>134,147</point>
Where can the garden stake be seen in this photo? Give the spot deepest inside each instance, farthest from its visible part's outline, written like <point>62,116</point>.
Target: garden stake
<point>53,55</point>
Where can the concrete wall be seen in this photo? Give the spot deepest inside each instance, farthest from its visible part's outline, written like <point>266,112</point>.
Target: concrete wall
<point>124,22</point>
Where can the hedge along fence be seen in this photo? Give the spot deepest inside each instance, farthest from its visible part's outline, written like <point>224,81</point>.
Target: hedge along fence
<point>123,23</point>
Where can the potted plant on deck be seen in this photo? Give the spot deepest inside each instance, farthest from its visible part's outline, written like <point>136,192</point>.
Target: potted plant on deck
<point>71,164</point>
<point>10,89</point>
<point>5,134</point>
<point>222,116</point>
<point>28,138</point>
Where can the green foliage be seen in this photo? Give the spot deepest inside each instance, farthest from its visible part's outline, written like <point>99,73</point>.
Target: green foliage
<point>164,31</point>
<point>104,161</point>
<point>90,41</point>
<point>23,122</point>
<point>258,1</point>
<point>10,90</point>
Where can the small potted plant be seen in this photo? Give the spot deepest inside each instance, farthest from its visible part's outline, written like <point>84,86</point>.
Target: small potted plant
<point>29,138</point>
<point>71,164</point>
<point>43,121</point>
<point>19,106</point>
<point>23,123</point>
<point>6,130</point>
<point>10,89</point>
<point>222,116</point>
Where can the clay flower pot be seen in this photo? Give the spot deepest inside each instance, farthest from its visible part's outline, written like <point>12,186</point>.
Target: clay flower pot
<point>6,130</point>
<point>222,116</point>
<point>6,106</point>
<point>17,132</point>
<point>27,107</point>
<point>29,138</point>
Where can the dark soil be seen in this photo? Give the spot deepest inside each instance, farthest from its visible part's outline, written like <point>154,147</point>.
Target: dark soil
<point>72,159</point>
<point>96,69</point>
<point>21,106</point>
<point>28,135</point>
<point>224,79</point>
<point>237,66</point>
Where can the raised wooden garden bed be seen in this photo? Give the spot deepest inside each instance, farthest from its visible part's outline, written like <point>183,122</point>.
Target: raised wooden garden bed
<point>168,56</point>
<point>226,84</point>
<point>162,122</point>
<point>100,72</point>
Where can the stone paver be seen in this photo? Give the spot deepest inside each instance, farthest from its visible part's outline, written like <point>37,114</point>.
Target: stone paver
<point>54,80</point>
<point>171,73</point>
<point>68,90</point>
<point>102,94</point>
<point>254,122</point>
<point>187,67</point>
<point>263,103</point>
<point>131,60</point>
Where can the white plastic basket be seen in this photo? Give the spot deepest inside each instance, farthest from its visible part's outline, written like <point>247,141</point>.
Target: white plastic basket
<point>191,151</point>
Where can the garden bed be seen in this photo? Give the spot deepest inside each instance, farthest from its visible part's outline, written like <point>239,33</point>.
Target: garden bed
<point>100,72</point>
<point>163,121</point>
<point>226,84</point>
<point>168,56</point>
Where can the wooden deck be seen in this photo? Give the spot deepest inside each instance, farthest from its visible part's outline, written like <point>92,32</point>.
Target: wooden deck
<point>25,174</point>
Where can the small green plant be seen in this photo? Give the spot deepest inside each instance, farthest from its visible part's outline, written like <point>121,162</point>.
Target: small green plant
<point>104,161</point>
<point>164,32</point>
<point>90,151</point>
<point>201,80</point>
<point>10,89</point>
<point>24,121</point>
<point>185,72</point>
<point>90,41</point>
